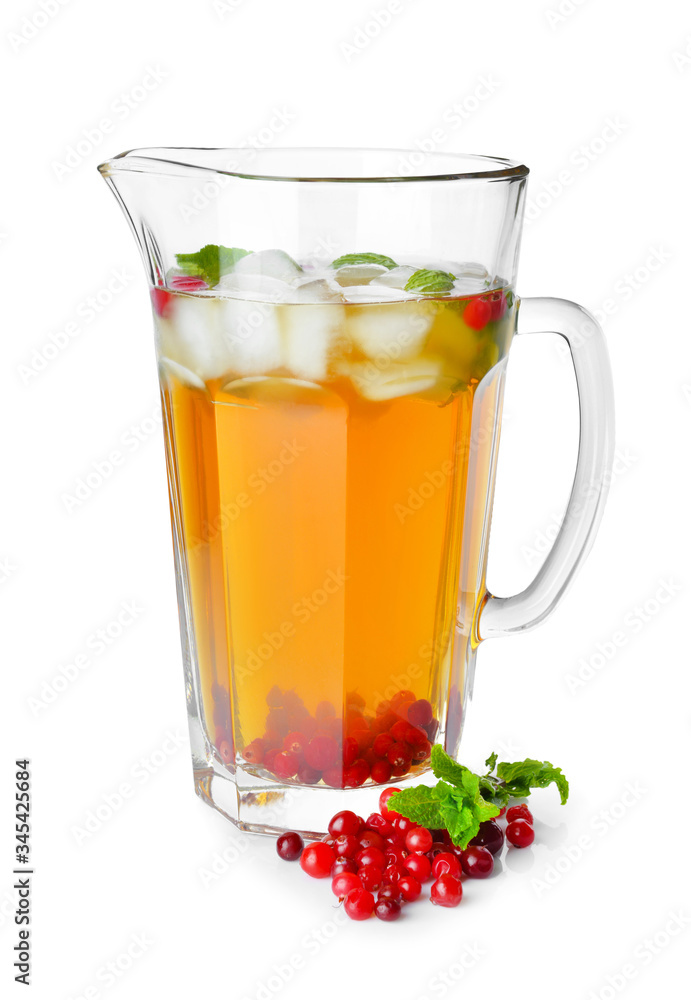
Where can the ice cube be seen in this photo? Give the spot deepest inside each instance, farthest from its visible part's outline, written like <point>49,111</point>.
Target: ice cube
<point>192,337</point>
<point>255,392</point>
<point>251,336</point>
<point>397,277</point>
<point>318,290</point>
<point>470,269</point>
<point>358,274</point>
<point>269,263</point>
<point>394,331</point>
<point>394,379</point>
<point>311,336</point>
<point>375,293</point>
<point>171,369</point>
<point>255,287</point>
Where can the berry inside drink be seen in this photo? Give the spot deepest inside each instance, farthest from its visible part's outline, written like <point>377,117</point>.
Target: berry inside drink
<point>330,459</point>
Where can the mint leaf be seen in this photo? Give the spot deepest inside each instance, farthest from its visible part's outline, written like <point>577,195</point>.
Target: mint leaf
<point>364,258</point>
<point>446,767</point>
<point>509,298</point>
<point>463,809</point>
<point>419,803</point>
<point>523,775</point>
<point>429,282</point>
<point>210,262</point>
<point>491,762</point>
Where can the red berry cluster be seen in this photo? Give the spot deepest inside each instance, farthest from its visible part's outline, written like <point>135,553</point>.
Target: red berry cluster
<point>393,857</point>
<point>481,310</point>
<point>347,751</point>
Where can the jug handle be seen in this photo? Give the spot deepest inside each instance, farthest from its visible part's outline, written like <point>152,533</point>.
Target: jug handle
<point>507,615</point>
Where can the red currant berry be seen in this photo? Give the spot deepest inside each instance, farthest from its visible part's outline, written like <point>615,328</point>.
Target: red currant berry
<point>520,833</point>
<point>389,891</point>
<point>377,822</point>
<point>477,313</point>
<point>333,776</point>
<point>295,743</point>
<point>324,711</point>
<point>418,840</point>
<point>342,884</point>
<point>402,825</point>
<point>520,812</point>
<point>398,770</point>
<point>342,865</point>
<point>490,836</point>
<point>418,865</point>
<point>383,799</point>
<point>372,838</point>
<point>381,772</point>
<point>395,854</point>
<point>371,877</point>
<point>409,888</point>
<point>344,822</point>
<point>357,774</point>
<point>316,860</point>
<point>399,755</point>
<point>286,764</point>
<point>254,753</point>
<point>420,713</point>
<point>498,304</point>
<point>398,732</point>
<point>350,750</point>
<point>371,856</point>
<point>289,846</point>
<point>387,909</point>
<point>477,862</point>
<point>359,904</point>
<point>446,891</point>
<point>437,848</point>
<point>382,744</point>
<point>401,700</point>
<point>321,752</point>
<point>346,846</point>
<point>162,301</point>
<point>446,864</point>
<point>393,874</point>
<point>307,775</point>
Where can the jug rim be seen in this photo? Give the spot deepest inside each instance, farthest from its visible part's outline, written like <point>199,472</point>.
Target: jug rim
<point>247,163</point>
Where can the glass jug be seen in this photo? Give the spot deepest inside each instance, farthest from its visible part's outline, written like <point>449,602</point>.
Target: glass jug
<point>332,334</point>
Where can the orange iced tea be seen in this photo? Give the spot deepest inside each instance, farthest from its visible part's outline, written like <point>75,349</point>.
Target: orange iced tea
<point>329,482</point>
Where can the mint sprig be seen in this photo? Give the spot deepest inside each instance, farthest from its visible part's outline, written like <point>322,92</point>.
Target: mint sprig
<point>364,258</point>
<point>210,262</point>
<point>462,800</point>
<point>426,282</point>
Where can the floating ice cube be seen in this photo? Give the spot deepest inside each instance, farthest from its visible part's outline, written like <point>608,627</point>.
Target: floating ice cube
<point>255,287</point>
<point>256,391</point>
<point>251,336</point>
<point>311,335</point>
<point>270,263</point>
<point>317,290</point>
<point>358,274</point>
<point>192,337</point>
<point>375,293</point>
<point>394,331</point>
<point>470,269</point>
<point>171,369</point>
<point>378,383</point>
<point>397,277</point>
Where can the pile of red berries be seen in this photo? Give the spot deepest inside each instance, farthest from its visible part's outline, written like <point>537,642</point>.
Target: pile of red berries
<point>343,752</point>
<point>391,856</point>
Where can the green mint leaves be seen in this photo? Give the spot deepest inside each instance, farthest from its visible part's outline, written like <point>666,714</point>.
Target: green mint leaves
<point>429,282</point>
<point>210,262</point>
<point>364,258</point>
<point>520,777</point>
<point>462,800</point>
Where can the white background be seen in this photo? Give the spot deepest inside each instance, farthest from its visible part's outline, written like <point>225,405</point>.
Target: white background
<point>552,924</point>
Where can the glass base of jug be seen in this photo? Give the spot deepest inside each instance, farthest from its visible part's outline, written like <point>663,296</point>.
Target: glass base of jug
<point>258,805</point>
